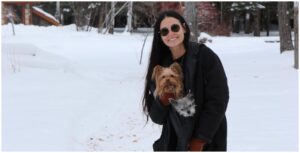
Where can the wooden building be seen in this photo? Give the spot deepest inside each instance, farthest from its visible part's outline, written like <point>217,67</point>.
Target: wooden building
<point>26,13</point>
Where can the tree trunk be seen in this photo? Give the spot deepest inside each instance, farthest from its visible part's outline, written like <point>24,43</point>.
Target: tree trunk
<point>101,17</point>
<point>190,14</point>
<point>247,23</point>
<point>221,13</point>
<point>129,17</point>
<point>256,22</point>
<point>229,21</point>
<point>57,13</point>
<point>268,22</point>
<point>296,30</point>
<point>27,15</point>
<point>107,13</point>
<point>112,18</point>
<point>236,23</point>
<point>10,17</point>
<point>284,27</point>
<point>80,12</point>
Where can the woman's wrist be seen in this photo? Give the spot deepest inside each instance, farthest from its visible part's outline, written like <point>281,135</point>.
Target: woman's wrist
<point>196,144</point>
<point>165,98</point>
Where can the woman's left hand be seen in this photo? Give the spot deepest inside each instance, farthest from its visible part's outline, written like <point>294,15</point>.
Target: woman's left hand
<point>196,145</point>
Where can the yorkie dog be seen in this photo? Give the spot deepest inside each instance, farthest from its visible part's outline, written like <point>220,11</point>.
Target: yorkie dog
<point>169,80</point>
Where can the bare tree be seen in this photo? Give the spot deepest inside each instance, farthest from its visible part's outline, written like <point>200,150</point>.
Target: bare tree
<point>57,12</point>
<point>256,27</point>
<point>296,35</point>
<point>268,21</point>
<point>284,27</point>
<point>76,16</point>
<point>109,18</point>
<point>112,18</point>
<point>129,17</point>
<point>10,18</point>
<point>247,22</point>
<point>102,15</point>
<point>141,11</point>
<point>81,15</point>
<point>190,14</point>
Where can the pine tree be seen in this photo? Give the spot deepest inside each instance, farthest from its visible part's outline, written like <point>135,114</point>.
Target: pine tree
<point>249,8</point>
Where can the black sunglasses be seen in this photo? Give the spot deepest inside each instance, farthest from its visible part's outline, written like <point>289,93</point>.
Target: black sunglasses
<point>165,31</point>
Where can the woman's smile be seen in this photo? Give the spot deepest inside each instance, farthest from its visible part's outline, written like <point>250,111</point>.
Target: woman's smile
<point>172,39</point>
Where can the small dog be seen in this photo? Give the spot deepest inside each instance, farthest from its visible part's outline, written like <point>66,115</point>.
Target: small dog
<point>185,106</point>
<point>170,80</point>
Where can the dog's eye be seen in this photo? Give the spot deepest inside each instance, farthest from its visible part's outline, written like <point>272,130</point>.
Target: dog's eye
<point>163,77</point>
<point>172,76</point>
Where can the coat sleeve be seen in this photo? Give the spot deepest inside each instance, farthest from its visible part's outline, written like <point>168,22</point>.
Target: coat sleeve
<point>216,96</point>
<point>157,112</point>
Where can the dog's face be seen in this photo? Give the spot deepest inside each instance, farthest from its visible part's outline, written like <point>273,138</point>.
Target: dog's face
<point>168,80</point>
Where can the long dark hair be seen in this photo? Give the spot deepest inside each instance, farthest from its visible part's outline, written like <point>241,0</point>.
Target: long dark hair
<point>160,51</point>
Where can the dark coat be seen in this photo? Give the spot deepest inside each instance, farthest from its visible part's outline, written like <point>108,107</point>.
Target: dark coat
<point>204,76</point>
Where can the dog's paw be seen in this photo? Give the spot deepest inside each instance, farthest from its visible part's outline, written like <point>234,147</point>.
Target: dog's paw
<point>172,100</point>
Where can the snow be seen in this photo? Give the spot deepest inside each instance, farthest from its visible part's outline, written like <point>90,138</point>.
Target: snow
<point>249,6</point>
<point>64,90</point>
<point>234,4</point>
<point>203,37</point>
<point>260,6</point>
<point>66,10</point>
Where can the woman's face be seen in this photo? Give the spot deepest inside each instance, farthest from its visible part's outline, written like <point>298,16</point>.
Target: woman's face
<point>171,32</point>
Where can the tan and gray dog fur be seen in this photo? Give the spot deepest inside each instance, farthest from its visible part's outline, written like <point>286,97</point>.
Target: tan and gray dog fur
<point>170,80</point>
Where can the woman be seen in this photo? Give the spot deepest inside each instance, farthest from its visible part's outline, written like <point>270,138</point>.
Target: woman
<point>204,77</point>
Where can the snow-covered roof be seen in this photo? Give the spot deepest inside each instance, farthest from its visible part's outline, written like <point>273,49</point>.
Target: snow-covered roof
<point>246,6</point>
<point>45,13</point>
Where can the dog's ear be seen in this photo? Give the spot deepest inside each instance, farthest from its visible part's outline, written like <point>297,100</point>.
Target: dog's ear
<point>156,70</point>
<point>177,68</point>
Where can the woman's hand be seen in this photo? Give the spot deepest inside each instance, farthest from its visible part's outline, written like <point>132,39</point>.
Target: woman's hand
<point>165,98</point>
<point>196,145</point>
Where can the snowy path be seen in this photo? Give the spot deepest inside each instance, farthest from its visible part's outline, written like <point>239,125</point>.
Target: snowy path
<point>72,91</point>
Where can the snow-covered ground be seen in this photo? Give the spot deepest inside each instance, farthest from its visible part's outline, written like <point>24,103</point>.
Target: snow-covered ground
<point>64,90</point>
